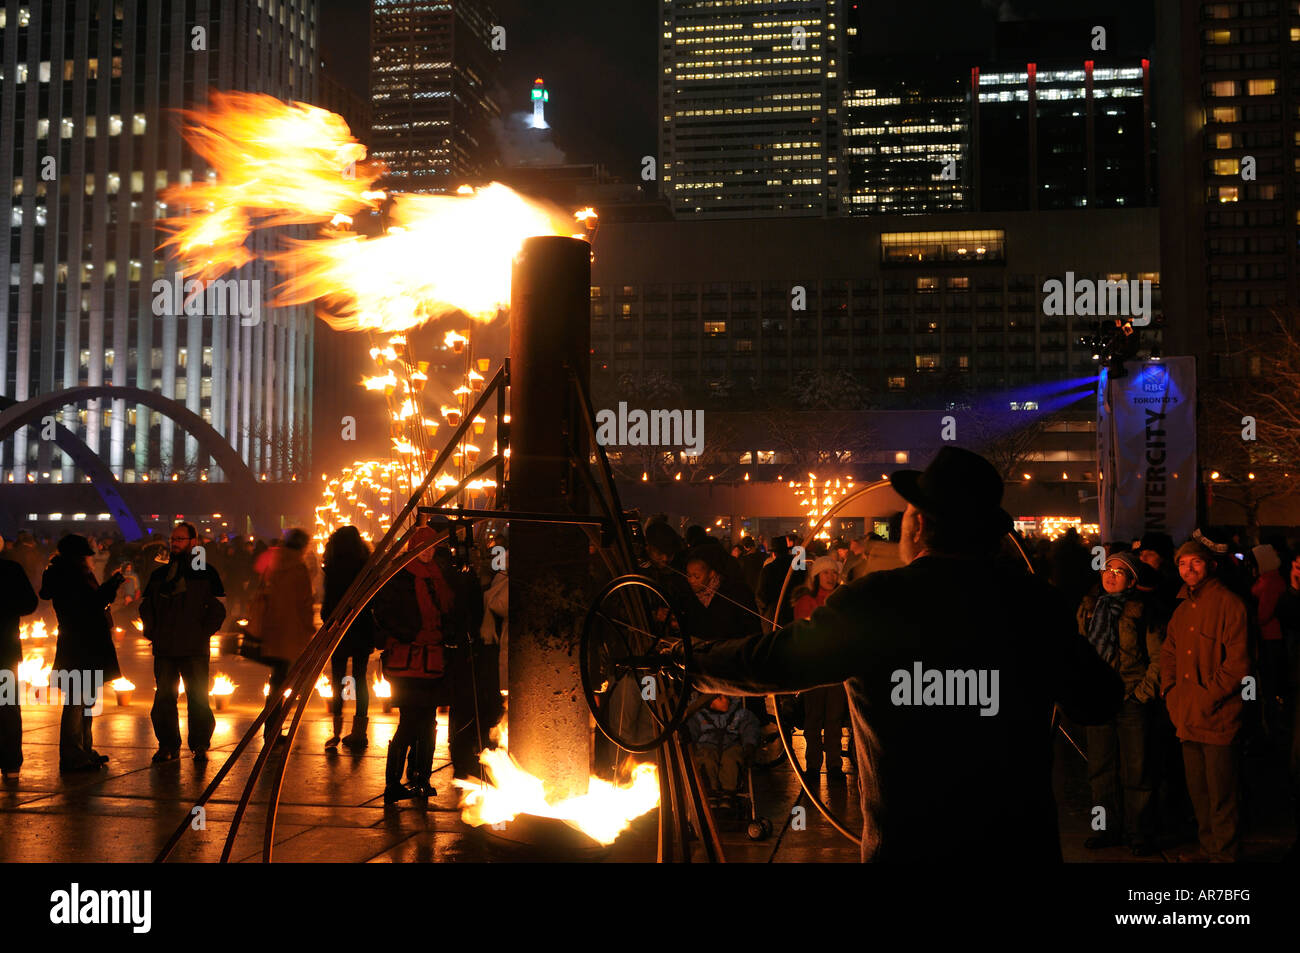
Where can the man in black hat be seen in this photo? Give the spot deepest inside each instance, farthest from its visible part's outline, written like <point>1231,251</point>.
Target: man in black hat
<point>953,666</point>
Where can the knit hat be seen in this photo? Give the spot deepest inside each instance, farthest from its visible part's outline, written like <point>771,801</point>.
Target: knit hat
<point>823,563</point>
<point>1194,548</point>
<point>1266,558</point>
<point>1131,563</point>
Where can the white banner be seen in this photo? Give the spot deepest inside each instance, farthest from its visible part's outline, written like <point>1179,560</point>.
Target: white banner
<point>1146,450</point>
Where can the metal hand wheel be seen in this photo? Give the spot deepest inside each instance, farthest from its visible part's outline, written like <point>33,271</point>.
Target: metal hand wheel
<point>635,682</point>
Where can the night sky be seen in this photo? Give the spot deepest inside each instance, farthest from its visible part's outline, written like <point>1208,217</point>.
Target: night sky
<point>600,57</point>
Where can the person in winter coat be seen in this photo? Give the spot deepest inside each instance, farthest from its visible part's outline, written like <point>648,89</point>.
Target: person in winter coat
<point>1267,590</point>
<point>724,738</point>
<point>826,709</point>
<point>17,599</point>
<point>85,644</point>
<point>346,554</point>
<point>409,615</point>
<point>721,607</point>
<point>468,719</point>
<point>772,578</point>
<point>287,624</point>
<point>181,608</point>
<point>1203,661</point>
<point>1121,627</point>
<point>1288,613</point>
<point>949,611</point>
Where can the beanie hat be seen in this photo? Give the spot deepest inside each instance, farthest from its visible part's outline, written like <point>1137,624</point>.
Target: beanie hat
<point>1194,547</point>
<point>1131,563</point>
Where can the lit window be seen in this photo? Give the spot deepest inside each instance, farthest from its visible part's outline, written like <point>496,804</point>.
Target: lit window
<point>1226,166</point>
<point>1261,87</point>
<point>898,383</point>
<point>1227,193</point>
<point>1224,87</point>
<point>1218,37</point>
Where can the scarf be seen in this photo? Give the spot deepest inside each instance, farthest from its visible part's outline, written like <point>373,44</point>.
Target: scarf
<point>1103,628</point>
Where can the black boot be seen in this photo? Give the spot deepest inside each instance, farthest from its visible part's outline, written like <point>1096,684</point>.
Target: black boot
<point>356,739</point>
<point>333,743</point>
<point>394,789</point>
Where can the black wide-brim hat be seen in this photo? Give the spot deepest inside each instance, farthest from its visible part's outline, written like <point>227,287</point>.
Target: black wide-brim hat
<point>75,547</point>
<point>959,487</point>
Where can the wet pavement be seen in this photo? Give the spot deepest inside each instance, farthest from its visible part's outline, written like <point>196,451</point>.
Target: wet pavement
<point>331,808</point>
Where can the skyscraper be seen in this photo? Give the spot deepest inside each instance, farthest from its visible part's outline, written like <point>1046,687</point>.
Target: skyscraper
<point>749,93</point>
<point>1230,121</point>
<point>432,69</point>
<point>906,139</point>
<point>89,146</point>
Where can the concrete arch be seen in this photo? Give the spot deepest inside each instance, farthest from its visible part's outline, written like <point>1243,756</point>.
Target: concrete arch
<point>210,441</point>
<point>101,477</point>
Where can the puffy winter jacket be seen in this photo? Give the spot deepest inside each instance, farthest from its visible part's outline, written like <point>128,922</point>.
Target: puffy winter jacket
<point>722,729</point>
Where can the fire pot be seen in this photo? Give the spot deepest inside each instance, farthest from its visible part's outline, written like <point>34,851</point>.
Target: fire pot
<point>550,332</point>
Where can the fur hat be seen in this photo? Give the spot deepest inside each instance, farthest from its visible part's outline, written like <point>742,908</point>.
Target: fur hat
<point>823,563</point>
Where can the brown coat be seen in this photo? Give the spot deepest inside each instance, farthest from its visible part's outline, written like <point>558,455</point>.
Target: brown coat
<point>1203,662</point>
<point>288,624</point>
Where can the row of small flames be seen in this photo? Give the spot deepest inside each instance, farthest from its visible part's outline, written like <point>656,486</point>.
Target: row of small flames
<point>604,812</point>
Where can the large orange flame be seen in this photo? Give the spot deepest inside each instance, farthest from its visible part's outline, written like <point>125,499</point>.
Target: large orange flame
<point>279,164</point>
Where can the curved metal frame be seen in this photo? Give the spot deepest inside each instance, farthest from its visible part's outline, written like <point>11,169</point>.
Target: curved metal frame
<point>676,716</point>
<point>388,558</point>
<point>101,476</point>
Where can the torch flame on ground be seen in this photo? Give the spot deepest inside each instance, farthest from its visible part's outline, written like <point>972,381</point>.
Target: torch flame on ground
<point>122,684</point>
<point>604,812</point>
<point>222,685</point>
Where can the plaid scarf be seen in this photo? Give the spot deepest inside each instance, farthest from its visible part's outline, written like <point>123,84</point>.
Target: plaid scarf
<point>1103,627</point>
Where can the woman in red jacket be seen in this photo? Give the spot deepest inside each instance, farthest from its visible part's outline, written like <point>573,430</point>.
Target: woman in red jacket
<point>408,614</point>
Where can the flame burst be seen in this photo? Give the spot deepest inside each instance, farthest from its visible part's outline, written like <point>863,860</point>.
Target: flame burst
<point>280,164</point>
<point>604,812</point>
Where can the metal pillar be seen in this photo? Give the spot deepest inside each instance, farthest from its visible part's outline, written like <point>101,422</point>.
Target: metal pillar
<point>550,332</point>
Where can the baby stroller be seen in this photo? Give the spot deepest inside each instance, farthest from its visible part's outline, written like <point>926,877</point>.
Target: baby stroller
<point>725,738</point>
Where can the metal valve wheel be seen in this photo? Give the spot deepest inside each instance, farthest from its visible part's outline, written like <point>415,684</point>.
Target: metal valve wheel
<point>633,658</point>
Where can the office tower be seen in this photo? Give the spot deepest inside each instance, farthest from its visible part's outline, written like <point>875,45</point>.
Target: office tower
<point>431,74</point>
<point>906,139</point>
<point>91,140</point>
<point>1229,125</point>
<point>749,95</point>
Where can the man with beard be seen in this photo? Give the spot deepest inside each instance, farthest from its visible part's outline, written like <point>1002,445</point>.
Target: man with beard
<point>944,775</point>
<point>181,608</point>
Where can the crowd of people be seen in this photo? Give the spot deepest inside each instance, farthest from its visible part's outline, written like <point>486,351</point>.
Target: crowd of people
<point>1189,652</point>
<point>438,625</point>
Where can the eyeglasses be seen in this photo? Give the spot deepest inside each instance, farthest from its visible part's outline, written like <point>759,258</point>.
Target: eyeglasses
<point>1113,572</point>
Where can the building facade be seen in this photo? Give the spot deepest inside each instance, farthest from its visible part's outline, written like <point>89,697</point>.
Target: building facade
<point>749,95</point>
<point>1057,136</point>
<point>895,301</point>
<point>431,77</point>
<point>905,142</point>
<point>1229,85</point>
<point>87,113</point>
